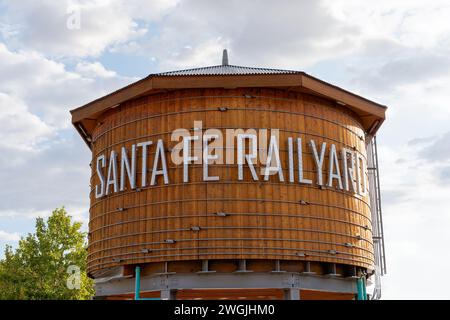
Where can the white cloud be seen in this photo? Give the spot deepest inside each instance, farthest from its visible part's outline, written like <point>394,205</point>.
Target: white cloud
<point>416,217</point>
<point>196,56</point>
<point>94,70</point>
<point>403,63</point>
<point>20,129</point>
<point>42,25</point>
<point>40,153</point>
<point>48,88</point>
<point>37,182</point>
<point>6,236</point>
<point>403,19</point>
<point>290,34</point>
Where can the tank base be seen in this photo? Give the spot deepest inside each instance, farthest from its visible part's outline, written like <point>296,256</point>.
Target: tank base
<point>238,285</point>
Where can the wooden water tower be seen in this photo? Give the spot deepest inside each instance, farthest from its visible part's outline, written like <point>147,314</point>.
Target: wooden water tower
<point>231,238</point>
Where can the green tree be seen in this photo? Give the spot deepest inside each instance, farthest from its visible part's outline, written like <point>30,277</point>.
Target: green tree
<point>48,264</point>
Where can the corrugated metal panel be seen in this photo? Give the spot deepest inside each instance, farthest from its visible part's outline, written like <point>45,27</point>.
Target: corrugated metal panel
<point>224,70</point>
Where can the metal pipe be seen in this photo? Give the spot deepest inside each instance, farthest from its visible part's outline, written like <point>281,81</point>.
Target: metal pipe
<point>380,220</point>
<point>364,288</point>
<point>361,289</point>
<point>358,289</point>
<point>137,287</point>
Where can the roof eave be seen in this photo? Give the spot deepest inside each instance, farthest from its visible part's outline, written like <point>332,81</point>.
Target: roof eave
<point>155,83</point>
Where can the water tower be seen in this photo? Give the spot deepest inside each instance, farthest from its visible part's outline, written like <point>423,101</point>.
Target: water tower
<point>162,229</point>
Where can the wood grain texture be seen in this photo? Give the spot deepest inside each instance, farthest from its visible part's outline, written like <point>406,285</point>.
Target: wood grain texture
<point>264,219</point>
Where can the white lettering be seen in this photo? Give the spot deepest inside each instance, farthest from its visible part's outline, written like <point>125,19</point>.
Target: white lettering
<point>207,157</point>
<point>334,164</point>
<point>273,154</point>
<point>242,157</point>
<point>112,173</point>
<point>318,160</point>
<point>100,189</point>
<point>144,146</point>
<point>125,168</point>
<point>160,154</point>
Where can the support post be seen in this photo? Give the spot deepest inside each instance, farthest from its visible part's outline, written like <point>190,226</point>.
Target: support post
<point>137,286</point>
<point>364,288</point>
<point>360,285</point>
<point>292,294</point>
<point>167,294</point>
<point>205,265</point>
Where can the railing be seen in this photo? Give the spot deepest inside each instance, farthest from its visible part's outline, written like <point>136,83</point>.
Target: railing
<point>377,215</point>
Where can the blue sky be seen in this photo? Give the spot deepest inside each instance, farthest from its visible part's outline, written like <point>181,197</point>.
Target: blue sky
<point>393,52</point>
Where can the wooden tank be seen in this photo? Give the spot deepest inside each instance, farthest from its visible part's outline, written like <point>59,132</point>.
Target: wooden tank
<point>264,219</point>
<point>234,225</point>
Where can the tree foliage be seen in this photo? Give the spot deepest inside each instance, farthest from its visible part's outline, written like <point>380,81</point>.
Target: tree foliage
<point>42,266</point>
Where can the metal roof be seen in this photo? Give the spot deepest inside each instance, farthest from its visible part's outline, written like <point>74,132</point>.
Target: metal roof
<point>224,70</point>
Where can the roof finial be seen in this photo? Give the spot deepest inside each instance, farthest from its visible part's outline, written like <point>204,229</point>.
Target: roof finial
<point>225,57</point>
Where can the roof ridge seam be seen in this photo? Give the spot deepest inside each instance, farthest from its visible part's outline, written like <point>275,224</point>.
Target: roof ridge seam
<point>224,68</point>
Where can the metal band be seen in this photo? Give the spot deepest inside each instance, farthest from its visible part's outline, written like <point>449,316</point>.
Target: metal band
<point>229,199</point>
<point>223,247</point>
<point>197,255</point>
<point>365,227</point>
<point>219,239</point>
<point>223,182</point>
<point>355,122</point>
<point>228,227</point>
<point>91,261</point>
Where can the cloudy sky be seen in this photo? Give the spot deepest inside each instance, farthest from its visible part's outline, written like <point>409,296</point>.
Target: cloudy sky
<point>393,52</point>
